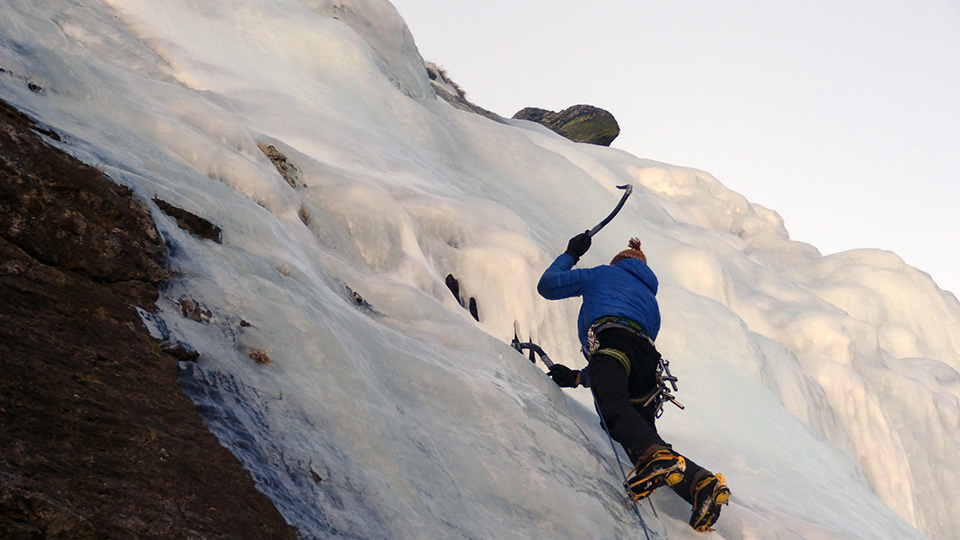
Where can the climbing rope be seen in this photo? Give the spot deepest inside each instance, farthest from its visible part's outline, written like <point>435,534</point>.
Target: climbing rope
<point>636,503</point>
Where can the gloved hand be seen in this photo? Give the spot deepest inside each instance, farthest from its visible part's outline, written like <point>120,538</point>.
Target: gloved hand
<point>564,376</point>
<point>578,245</point>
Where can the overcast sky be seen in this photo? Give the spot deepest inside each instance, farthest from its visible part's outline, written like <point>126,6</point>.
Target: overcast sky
<point>843,116</point>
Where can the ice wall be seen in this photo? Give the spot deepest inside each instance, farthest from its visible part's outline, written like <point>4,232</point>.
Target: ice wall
<point>824,388</point>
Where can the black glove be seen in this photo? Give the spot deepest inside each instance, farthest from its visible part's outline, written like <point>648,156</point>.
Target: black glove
<point>578,245</point>
<point>564,376</point>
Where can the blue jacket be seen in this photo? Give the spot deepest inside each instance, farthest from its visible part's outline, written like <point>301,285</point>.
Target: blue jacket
<point>627,289</point>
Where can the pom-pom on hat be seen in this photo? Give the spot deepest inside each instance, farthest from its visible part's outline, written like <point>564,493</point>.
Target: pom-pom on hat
<point>632,253</point>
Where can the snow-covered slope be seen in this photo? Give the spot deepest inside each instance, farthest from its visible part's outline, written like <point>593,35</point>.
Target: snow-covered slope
<point>826,389</point>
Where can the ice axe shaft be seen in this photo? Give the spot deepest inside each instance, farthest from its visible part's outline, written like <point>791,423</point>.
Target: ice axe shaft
<point>629,190</point>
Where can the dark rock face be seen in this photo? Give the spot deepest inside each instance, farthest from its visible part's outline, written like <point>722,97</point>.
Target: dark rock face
<point>190,222</point>
<point>580,123</point>
<point>454,285</point>
<point>96,438</point>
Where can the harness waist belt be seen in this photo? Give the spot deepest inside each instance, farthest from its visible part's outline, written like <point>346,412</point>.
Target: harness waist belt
<point>604,323</point>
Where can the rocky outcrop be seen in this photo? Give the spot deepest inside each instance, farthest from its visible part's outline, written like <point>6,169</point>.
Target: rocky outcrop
<point>580,123</point>
<point>286,168</point>
<point>97,440</point>
<point>451,92</point>
<point>471,305</point>
<point>190,222</point>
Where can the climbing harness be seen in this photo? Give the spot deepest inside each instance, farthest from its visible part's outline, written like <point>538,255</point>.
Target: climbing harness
<point>660,393</point>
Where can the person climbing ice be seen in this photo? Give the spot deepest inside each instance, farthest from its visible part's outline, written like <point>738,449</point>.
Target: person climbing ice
<point>618,322</point>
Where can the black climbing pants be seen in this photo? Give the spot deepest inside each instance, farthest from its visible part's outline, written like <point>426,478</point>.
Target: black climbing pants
<point>614,386</point>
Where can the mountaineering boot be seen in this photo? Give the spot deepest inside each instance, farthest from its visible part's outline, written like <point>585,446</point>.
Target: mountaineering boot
<point>664,467</point>
<point>708,496</point>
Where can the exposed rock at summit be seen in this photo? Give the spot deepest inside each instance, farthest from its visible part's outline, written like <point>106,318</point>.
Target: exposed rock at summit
<point>97,440</point>
<point>580,123</point>
<point>449,91</point>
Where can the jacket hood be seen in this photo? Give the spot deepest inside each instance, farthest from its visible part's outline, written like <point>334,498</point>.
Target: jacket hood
<point>641,271</point>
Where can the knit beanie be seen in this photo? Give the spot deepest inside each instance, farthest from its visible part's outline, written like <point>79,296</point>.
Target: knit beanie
<point>632,253</point>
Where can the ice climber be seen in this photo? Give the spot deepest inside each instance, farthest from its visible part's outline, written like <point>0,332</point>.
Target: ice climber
<point>618,321</point>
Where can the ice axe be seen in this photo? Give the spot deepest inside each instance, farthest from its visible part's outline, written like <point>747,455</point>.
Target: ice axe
<point>529,346</point>
<point>629,190</point>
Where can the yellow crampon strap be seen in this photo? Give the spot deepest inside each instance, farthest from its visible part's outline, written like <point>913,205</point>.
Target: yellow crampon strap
<point>618,355</point>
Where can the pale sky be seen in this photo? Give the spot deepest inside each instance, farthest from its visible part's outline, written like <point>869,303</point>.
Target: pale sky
<point>843,116</point>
